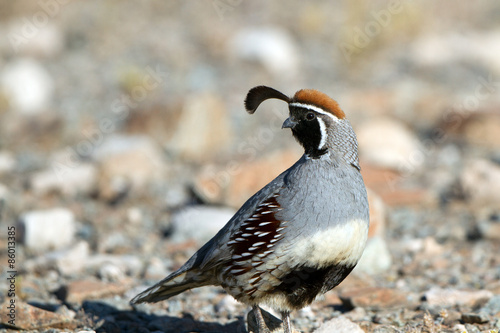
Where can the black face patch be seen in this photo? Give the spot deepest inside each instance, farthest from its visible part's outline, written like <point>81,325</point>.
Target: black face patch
<point>307,131</point>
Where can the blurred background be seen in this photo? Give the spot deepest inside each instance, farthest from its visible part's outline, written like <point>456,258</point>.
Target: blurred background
<point>124,143</point>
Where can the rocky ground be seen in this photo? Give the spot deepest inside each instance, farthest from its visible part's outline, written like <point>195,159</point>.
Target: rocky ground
<point>124,146</point>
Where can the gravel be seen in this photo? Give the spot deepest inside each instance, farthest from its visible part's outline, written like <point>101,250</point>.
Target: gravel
<point>124,145</point>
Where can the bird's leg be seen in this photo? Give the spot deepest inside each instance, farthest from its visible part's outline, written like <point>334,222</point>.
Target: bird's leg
<point>285,317</point>
<point>260,319</point>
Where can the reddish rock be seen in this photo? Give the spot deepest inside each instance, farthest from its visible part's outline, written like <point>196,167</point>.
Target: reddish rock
<point>378,178</point>
<point>494,287</point>
<point>234,183</point>
<point>407,197</point>
<point>253,176</point>
<point>332,298</point>
<point>377,298</point>
<point>483,129</point>
<point>480,128</point>
<point>28,317</point>
<point>388,184</point>
<point>356,281</point>
<point>377,214</point>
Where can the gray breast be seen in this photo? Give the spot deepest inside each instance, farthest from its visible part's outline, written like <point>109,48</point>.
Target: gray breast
<point>320,194</point>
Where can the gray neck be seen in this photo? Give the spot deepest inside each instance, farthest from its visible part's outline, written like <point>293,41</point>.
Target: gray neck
<point>342,143</point>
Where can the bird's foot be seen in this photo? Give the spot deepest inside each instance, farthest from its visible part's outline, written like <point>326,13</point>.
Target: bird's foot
<point>261,323</point>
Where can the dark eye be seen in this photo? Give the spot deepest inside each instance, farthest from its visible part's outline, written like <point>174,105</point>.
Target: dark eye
<point>310,116</point>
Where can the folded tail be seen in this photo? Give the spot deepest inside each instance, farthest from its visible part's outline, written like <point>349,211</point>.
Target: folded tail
<point>172,285</point>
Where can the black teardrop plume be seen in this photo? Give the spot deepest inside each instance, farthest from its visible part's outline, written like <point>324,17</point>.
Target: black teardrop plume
<point>259,94</point>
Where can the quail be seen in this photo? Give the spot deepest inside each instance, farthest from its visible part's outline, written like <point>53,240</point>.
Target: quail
<point>300,235</point>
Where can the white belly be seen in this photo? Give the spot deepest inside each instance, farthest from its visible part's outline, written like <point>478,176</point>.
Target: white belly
<point>340,244</point>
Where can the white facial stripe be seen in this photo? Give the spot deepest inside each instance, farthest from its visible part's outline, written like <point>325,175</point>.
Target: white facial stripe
<point>322,128</point>
<point>315,109</point>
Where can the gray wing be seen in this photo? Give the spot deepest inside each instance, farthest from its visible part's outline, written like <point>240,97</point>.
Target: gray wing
<point>217,250</point>
<point>197,271</point>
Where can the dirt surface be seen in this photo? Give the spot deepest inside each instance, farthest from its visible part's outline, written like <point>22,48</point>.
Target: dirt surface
<point>124,146</point>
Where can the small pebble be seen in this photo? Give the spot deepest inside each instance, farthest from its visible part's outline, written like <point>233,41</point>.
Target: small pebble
<point>475,318</point>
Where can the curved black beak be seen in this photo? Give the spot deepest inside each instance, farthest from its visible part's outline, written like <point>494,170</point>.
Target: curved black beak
<point>288,123</point>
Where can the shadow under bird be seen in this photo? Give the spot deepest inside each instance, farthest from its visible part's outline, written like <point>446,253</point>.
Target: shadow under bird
<point>300,235</point>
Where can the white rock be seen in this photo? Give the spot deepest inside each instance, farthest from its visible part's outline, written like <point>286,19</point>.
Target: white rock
<point>453,297</point>
<point>111,241</point>
<point>7,162</point>
<point>176,195</point>
<point>27,85</point>
<point>117,144</point>
<point>307,312</point>
<point>111,273</point>
<point>47,229</point>
<point>273,47</point>
<point>431,247</point>
<point>387,143</point>
<point>68,313</point>
<point>134,216</point>
<point>227,304</point>
<point>156,269</point>
<point>80,179</point>
<point>67,262</point>
<point>481,181</point>
<point>459,328</point>
<point>35,40</point>
<point>357,314</point>
<point>493,306</point>
<point>4,193</point>
<point>72,261</point>
<point>129,264</point>
<point>199,222</point>
<point>438,49</point>
<point>376,258</point>
<point>428,246</point>
<point>339,325</point>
